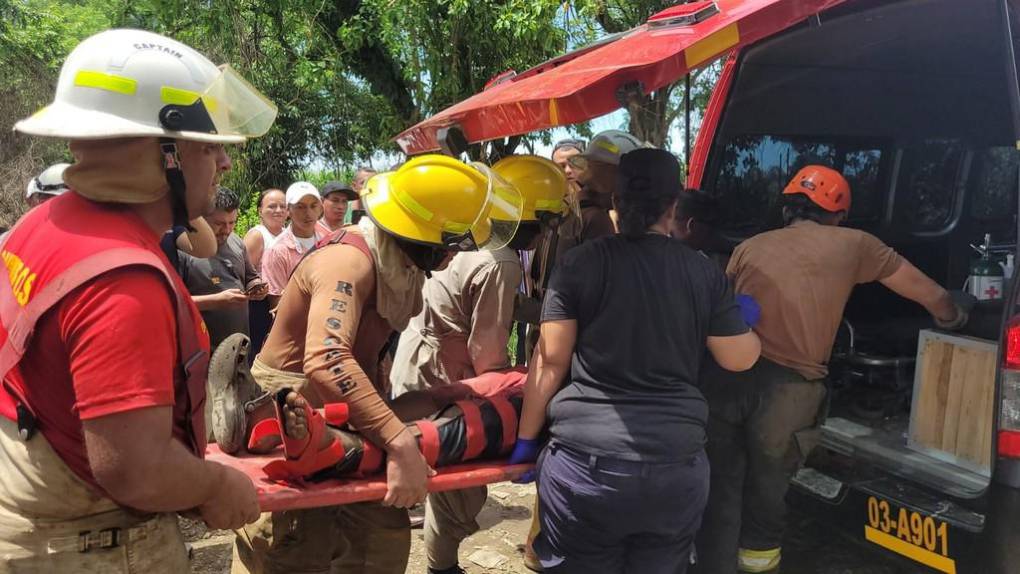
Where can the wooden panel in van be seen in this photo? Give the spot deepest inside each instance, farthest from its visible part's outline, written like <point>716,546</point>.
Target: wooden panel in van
<point>952,413</point>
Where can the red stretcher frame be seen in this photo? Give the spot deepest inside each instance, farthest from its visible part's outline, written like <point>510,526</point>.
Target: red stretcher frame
<point>276,496</point>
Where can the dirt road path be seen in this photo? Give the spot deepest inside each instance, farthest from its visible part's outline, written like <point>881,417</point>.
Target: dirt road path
<point>811,548</point>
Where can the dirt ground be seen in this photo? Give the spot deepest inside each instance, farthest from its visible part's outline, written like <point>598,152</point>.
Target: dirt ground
<point>810,548</point>
<point>505,520</point>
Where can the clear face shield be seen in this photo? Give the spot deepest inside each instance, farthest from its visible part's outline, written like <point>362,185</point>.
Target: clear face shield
<point>230,106</point>
<point>496,222</point>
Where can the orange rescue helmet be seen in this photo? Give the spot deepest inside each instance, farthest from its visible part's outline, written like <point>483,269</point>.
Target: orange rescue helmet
<point>826,187</point>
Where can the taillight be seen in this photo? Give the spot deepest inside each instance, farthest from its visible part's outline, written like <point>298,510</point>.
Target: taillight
<point>1009,407</point>
<point>1012,360</point>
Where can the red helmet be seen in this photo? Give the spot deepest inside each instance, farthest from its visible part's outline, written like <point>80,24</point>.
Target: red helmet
<point>826,187</point>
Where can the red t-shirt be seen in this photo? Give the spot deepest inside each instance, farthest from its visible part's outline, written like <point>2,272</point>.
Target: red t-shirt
<point>108,347</point>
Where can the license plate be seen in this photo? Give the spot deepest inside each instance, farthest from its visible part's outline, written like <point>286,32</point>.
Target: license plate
<point>917,536</point>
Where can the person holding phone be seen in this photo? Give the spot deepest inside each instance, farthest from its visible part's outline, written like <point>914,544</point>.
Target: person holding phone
<point>222,285</point>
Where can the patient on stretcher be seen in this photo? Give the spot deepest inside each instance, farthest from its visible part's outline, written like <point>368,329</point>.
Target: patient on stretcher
<point>447,437</point>
<point>474,419</point>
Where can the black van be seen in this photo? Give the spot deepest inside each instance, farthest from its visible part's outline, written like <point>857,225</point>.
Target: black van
<point>916,102</point>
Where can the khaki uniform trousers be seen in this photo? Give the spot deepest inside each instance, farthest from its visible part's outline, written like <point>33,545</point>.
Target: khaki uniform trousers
<point>48,516</point>
<point>450,517</point>
<point>362,538</point>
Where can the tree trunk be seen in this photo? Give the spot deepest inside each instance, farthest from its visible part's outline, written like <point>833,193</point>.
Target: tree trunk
<point>647,114</point>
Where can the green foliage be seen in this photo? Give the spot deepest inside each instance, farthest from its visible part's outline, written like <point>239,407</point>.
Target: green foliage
<point>347,75</point>
<point>247,217</point>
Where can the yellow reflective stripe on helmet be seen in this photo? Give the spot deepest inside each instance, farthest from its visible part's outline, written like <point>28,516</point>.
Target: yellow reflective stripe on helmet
<point>607,146</point>
<point>506,201</point>
<point>456,228</point>
<point>108,82</point>
<point>177,96</point>
<point>757,560</point>
<point>411,204</point>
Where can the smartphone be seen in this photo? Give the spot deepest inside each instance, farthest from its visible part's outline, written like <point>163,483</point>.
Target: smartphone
<point>255,289</point>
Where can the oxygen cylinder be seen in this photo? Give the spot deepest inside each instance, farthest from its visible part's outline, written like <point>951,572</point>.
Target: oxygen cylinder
<point>986,276</point>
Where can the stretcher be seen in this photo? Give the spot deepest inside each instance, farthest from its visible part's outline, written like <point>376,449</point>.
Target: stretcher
<point>276,496</point>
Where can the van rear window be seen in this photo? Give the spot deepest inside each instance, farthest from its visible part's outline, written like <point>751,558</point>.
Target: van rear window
<point>929,185</point>
<point>994,188</point>
<point>754,169</point>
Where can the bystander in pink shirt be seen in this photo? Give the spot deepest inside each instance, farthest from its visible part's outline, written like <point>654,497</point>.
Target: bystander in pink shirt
<point>279,261</point>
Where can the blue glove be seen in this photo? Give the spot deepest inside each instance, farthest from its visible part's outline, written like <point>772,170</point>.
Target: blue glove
<point>749,309</point>
<point>525,450</point>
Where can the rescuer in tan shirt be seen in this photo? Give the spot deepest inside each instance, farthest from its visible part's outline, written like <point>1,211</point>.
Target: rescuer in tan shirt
<point>333,322</point>
<point>763,423</point>
<point>464,329</point>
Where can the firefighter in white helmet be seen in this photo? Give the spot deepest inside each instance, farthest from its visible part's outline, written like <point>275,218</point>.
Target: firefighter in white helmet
<point>46,185</point>
<point>102,352</point>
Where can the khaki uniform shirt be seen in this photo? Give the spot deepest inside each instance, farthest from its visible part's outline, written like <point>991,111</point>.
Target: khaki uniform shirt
<point>592,223</point>
<point>802,276</point>
<point>465,326</point>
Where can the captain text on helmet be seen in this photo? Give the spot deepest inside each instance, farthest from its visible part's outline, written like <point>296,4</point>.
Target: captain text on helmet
<point>104,355</point>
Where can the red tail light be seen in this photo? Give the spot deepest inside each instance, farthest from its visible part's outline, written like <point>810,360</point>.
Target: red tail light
<point>1009,443</point>
<point>1009,392</point>
<point>1012,359</point>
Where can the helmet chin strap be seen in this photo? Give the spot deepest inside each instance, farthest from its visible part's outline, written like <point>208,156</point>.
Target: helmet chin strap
<point>175,177</point>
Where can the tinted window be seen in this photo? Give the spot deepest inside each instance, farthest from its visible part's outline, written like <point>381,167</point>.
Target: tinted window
<point>927,187</point>
<point>994,183</point>
<point>754,170</point>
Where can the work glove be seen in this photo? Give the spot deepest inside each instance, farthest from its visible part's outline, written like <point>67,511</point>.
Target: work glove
<point>525,451</point>
<point>955,324</point>
<point>749,309</point>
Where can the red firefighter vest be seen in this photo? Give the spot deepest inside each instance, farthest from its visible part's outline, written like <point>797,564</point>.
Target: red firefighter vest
<point>60,246</point>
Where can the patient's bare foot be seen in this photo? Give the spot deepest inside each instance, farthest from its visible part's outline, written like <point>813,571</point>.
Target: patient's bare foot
<point>295,420</point>
<point>295,423</point>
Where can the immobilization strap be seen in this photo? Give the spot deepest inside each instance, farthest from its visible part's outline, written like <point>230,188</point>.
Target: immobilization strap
<point>308,463</point>
<point>429,441</point>
<point>371,458</point>
<point>302,457</point>
<point>262,430</point>
<point>336,414</point>
<point>508,416</point>
<point>475,429</point>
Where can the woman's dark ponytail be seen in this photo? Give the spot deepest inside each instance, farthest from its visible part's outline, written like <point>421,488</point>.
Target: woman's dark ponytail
<point>648,185</point>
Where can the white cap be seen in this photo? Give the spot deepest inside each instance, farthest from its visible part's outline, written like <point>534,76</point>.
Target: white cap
<point>50,181</point>
<point>298,190</point>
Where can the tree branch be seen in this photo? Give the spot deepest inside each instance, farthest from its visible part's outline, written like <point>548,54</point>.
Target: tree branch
<point>371,60</point>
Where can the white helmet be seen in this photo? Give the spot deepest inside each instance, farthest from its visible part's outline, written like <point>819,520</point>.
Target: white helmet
<point>50,181</point>
<point>132,83</point>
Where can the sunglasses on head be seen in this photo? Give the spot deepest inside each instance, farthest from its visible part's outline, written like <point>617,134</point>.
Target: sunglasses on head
<point>570,143</point>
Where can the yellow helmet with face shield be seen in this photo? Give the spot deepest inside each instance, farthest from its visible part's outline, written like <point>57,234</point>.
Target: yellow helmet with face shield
<point>439,201</point>
<point>541,183</point>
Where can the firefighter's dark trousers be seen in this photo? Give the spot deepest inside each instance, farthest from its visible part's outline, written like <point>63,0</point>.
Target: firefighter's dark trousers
<point>762,425</point>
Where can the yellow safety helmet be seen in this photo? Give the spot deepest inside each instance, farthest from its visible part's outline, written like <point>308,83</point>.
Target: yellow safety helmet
<point>440,201</point>
<point>541,183</point>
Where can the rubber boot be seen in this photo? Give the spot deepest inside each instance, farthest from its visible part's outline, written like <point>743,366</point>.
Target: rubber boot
<point>233,393</point>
